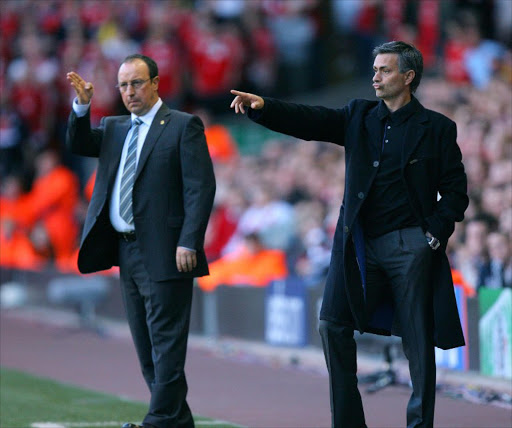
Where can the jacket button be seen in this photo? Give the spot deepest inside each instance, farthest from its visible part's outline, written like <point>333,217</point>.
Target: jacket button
<point>346,229</point>
<point>360,195</point>
<point>376,164</point>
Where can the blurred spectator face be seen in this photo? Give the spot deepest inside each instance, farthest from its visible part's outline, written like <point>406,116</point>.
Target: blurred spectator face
<point>46,162</point>
<point>235,201</point>
<point>493,200</point>
<point>506,221</point>
<point>253,243</point>
<point>11,187</point>
<point>476,232</point>
<point>500,173</point>
<point>498,246</point>
<point>41,240</point>
<point>475,170</point>
<point>138,101</point>
<point>388,82</point>
<point>260,196</point>
<point>473,36</point>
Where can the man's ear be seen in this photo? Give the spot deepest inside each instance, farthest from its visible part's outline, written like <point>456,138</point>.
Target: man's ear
<point>409,76</point>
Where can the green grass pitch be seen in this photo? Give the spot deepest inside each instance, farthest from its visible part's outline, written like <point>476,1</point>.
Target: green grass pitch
<point>27,401</point>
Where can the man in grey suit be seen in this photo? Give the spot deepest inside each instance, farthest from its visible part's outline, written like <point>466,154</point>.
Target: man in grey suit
<point>148,214</point>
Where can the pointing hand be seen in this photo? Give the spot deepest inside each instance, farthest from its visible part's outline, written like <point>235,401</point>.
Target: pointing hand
<point>244,99</point>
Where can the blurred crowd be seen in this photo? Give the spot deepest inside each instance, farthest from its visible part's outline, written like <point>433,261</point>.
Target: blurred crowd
<point>286,197</point>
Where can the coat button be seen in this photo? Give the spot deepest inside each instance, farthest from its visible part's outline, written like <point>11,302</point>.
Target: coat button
<point>376,164</point>
<point>345,229</point>
<point>360,195</point>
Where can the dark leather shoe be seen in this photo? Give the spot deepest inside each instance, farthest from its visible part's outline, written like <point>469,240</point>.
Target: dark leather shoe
<point>129,425</point>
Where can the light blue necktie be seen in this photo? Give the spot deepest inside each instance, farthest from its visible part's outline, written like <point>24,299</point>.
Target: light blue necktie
<point>130,166</point>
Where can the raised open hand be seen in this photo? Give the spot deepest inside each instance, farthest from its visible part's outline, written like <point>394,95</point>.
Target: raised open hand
<point>84,90</point>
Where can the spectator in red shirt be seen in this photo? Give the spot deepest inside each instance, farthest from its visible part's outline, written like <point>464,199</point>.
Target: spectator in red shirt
<point>454,52</point>
<point>163,47</point>
<point>215,57</point>
<point>261,67</point>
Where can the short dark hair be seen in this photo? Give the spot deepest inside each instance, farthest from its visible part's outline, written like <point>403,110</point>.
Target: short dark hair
<point>152,67</point>
<point>409,58</point>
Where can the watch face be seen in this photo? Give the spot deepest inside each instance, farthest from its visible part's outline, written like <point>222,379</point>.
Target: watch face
<point>433,242</point>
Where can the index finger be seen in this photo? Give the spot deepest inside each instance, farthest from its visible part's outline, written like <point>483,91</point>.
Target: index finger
<point>179,263</point>
<point>73,75</point>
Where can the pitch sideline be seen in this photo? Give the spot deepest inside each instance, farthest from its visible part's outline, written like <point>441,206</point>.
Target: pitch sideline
<point>210,423</point>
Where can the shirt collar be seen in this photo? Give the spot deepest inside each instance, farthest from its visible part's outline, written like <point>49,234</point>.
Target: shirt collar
<point>382,110</point>
<point>147,119</point>
<point>399,116</point>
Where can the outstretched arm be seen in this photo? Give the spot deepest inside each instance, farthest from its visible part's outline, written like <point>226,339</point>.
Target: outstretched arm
<point>298,120</point>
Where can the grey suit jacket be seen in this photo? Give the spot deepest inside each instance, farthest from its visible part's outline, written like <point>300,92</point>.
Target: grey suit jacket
<point>173,191</point>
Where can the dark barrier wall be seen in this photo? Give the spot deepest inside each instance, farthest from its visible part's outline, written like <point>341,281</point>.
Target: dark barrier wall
<point>238,312</point>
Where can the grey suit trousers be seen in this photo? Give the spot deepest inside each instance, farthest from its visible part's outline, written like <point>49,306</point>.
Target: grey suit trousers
<point>398,264</point>
<point>159,317</point>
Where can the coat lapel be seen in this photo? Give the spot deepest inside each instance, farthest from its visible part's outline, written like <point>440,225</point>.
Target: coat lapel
<point>161,119</point>
<point>373,126</point>
<point>415,131</point>
<point>120,133</point>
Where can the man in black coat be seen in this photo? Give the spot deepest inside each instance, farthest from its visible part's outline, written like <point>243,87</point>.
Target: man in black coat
<point>148,214</point>
<point>389,272</point>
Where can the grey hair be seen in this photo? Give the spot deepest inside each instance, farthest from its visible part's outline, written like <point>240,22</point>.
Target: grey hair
<point>409,58</point>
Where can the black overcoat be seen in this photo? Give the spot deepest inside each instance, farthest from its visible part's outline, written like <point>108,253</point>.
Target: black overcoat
<point>431,166</point>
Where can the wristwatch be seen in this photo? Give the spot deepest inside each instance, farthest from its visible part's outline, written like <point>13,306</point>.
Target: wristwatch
<point>433,242</point>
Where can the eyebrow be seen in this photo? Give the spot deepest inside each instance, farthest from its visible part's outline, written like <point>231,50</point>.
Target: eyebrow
<point>134,80</point>
<point>383,67</point>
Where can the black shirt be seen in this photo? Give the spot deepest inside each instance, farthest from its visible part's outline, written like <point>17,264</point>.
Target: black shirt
<point>387,206</point>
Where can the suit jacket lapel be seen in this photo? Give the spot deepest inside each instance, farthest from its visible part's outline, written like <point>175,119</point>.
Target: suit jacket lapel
<point>373,127</point>
<point>415,131</point>
<point>121,131</point>
<point>161,119</point>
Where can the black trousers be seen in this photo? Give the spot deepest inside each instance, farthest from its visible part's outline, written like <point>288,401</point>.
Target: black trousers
<point>398,263</point>
<point>159,317</point>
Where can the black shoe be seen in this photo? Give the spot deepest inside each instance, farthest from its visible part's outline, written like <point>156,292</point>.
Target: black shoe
<point>129,425</point>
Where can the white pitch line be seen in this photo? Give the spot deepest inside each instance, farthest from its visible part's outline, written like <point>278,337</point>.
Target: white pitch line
<point>217,422</point>
<point>46,425</point>
<point>76,424</point>
<point>116,424</point>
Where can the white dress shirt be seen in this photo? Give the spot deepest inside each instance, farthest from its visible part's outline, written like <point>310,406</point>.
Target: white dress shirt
<point>81,110</point>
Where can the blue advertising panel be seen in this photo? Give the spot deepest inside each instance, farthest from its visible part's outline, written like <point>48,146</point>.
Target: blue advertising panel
<point>286,313</point>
